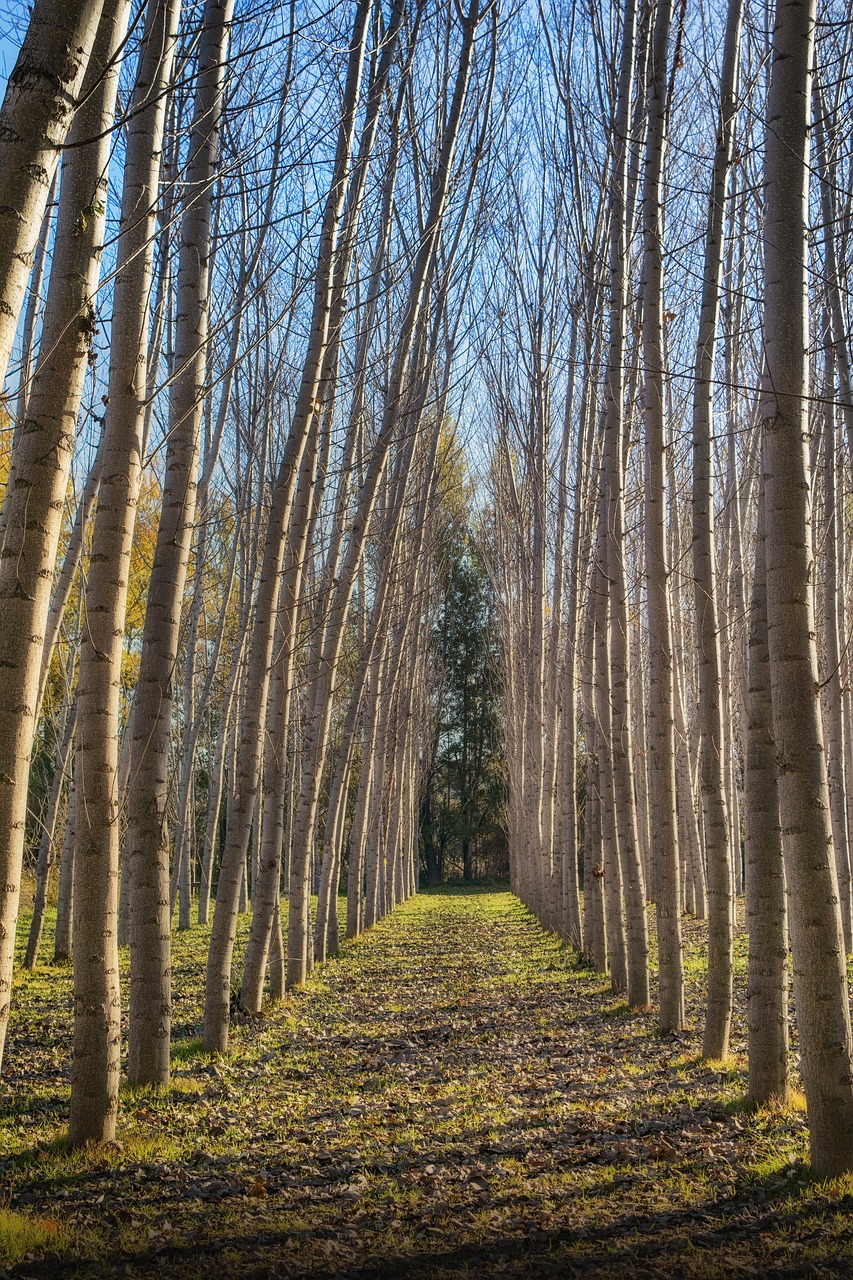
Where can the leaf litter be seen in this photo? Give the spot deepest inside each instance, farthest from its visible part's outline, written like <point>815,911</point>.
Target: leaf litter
<point>456,1095</point>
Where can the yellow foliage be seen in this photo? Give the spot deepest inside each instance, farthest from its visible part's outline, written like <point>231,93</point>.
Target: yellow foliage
<point>456,485</point>
<point>7,429</point>
<point>142,555</point>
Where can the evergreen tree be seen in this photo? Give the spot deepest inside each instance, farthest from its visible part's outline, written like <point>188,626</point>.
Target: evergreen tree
<point>462,810</point>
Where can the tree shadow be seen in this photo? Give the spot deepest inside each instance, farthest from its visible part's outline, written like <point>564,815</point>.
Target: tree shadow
<point>732,1235</point>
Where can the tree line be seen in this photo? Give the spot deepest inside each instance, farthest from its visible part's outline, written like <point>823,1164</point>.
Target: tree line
<point>668,477</point>
<point>257,322</point>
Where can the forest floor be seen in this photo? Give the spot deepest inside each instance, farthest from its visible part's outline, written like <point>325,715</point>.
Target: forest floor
<point>456,1095</point>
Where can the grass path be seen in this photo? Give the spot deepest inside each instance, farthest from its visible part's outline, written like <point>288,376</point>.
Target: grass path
<point>454,1096</point>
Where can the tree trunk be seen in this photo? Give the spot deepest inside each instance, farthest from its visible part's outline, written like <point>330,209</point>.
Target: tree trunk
<point>767,980</point>
<point>833,700</point>
<point>609,870</point>
<point>42,94</point>
<point>31,519</point>
<point>47,848</point>
<point>715,815</point>
<point>62,948</point>
<point>664,822</point>
<point>250,736</point>
<point>33,312</point>
<point>94,1088</point>
<point>149,1024</point>
<point>621,738</point>
<point>820,979</point>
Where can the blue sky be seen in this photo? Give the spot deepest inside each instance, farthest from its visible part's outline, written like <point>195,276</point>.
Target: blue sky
<point>12,17</point>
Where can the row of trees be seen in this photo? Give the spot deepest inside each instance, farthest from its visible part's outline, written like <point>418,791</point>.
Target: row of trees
<point>670,458</point>
<point>284,251</point>
<point>228,489</point>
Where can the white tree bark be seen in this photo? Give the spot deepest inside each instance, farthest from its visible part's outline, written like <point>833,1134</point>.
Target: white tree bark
<point>820,980</point>
<point>149,1026</point>
<point>31,519</point>
<point>41,97</point>
<point>661,738</point>
<point>716,830</point>
<point>250,736</point>
<point>766,917</point>
<point>94,1086</point>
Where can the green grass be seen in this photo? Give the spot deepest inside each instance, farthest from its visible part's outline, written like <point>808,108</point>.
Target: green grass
<point>457,1094</point>
<point>22,1235</point>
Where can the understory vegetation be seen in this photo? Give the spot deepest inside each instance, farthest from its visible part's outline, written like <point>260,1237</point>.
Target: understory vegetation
<point>457,1094</point>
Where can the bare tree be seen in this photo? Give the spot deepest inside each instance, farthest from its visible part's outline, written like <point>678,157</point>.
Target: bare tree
<point>94,1093</point>
<point>767,991</point>
<point>715,825</point>
<point>148,834</point>
<point>664,823</point>
<point>820,980</point>
<point>41,97</point>
<point>31,518</point>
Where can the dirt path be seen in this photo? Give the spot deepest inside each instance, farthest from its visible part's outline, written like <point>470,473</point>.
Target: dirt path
<point>454,1096</point>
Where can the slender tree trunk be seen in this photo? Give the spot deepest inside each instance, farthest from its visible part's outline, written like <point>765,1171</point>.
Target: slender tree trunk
<point>832,276</point>
<point>715,824</point>
<point>47,848</point>
<point>94,1086</point>
<point>33,312</point>
<point>767,980</point>
<point>267,889</point>
<point>185,820</point>
<point>42,94</point>
<point>833,701</point>
<point>820,979</point>
<point>250,747</point>
<point>216,775</point>
<point>641,751</point>
<point>31,519</point>
<point>664,822</point>
<point>614,525</point>
<point>149,1024</point>
<point>609,870</point>
<point>62,948</point>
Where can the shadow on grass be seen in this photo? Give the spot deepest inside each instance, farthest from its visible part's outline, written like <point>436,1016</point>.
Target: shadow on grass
<point>748,1232</point>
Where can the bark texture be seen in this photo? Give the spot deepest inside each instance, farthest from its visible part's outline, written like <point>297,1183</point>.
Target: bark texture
<point>820,979</point>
